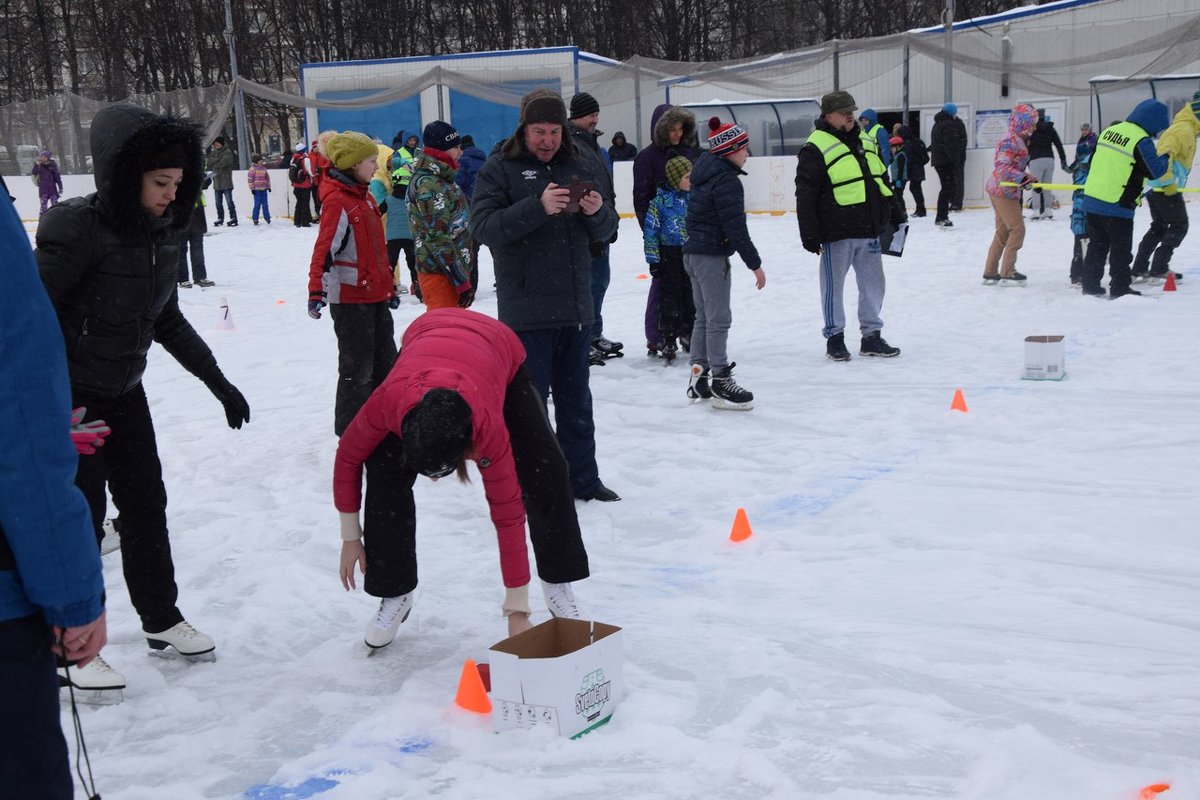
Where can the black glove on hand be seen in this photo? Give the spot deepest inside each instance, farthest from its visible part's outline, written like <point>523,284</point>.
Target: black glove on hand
<point>466,298</point>
<point>394,302</point>
<point>654,268</point>
<point>812,247</point>
<point>237,410</point>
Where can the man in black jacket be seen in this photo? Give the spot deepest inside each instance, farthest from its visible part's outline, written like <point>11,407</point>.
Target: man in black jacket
<point>543,268</point>
<point>947,151</point>
<point>108,262</point>
<point>585,115</point>
<point>843,204</point>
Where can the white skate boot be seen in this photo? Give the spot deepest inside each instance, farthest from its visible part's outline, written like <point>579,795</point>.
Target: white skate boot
<point>560,599</point>
<point>392,612</point>
<point>95,684</point>
<point>112,537</point>
<point>187,641</point>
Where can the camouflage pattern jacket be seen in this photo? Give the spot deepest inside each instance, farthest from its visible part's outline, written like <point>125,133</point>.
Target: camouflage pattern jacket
<point>438,215</point>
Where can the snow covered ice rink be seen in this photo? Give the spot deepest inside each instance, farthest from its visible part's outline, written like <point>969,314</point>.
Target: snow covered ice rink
<point>998,605</point>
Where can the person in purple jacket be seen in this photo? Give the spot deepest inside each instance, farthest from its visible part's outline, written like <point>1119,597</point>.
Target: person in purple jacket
<point>672,133</point>
<point>49,181</point>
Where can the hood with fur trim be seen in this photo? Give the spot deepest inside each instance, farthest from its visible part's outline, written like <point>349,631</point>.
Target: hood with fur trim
<point>123,137</point>
<point>668,119</point>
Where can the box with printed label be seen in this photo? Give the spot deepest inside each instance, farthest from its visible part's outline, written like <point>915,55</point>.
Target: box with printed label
<point>565,674</point>
<point>1044,358</point>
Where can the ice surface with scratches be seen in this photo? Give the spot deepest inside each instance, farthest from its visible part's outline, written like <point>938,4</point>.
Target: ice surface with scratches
<point>996,605</point>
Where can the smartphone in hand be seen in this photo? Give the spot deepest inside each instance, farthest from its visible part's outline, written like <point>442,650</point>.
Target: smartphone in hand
<point>577,191</point>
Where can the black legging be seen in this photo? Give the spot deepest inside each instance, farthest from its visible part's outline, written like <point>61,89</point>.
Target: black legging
<point>389,521</point>
<point>676,308</point>
<point>946,194</point>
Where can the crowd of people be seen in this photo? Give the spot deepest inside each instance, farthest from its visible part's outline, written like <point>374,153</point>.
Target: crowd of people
<point>104,282</point>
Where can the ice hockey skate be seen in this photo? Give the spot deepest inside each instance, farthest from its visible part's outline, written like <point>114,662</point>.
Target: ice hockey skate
<point>560,599</point>
<point>698,388</point>
<point>727,395</point>
<point>95,684</point>
<point>181,639</point>
<point>381,630</point>
<point>606,348</point>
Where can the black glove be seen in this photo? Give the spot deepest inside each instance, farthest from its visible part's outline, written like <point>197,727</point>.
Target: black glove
<point>394,302</point>
<point>237,410</point>
<point>597,248</point>
<point>466,298</point>
<point>1063,164</point>
<point>812,247</point>
<point>655,266</point>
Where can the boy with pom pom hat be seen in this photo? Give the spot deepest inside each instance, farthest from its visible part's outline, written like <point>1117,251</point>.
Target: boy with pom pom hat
<point>716,226</point>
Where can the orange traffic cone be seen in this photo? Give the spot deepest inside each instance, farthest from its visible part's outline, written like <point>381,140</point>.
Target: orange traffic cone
<point>741,527</point>
<point>225,321</point>
<point>1169,286</point>
<point>1153,790</point>
<point>471,694</point>
<point>959,403</point>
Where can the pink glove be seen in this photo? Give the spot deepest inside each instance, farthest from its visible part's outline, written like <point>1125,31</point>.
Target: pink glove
<point>87,436</point>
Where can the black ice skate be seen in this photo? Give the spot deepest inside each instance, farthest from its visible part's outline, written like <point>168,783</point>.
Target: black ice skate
<point>727,395</point>
<point>606,348</point>
<point>698,388</point>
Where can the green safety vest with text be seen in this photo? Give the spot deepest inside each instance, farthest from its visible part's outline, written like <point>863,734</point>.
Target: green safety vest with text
<point>1112,163</point>
<point>402,162</point>
<point>845,173</point>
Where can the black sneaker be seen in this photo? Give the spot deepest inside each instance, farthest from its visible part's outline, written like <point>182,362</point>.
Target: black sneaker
<point>726,389</point>
<point>608,348</point>
<point>601,494</point>
<point>698,388</point>
<point>835,347</point>
<point>874,345</point>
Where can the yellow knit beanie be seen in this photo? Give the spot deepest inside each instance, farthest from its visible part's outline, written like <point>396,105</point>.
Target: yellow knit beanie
<point>349,148</point>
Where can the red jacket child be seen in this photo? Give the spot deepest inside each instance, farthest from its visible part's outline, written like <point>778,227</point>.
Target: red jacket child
<point>349,262</point>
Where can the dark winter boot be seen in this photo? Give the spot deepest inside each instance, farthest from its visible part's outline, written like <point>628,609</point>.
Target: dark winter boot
<point>874,345</point>
<point>698,388</point>
<point>835,347</point>
<point>607,348</point>
<point>726,392</point>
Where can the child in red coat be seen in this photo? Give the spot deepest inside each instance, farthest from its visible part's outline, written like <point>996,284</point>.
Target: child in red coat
<point>459,391</point>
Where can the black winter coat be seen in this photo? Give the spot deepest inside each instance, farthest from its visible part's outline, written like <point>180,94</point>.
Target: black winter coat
<point>915,153</point>
<point>821,219</point>
<point>716,215</point>
<point>621,150</point>
<point>110,267</point>
<point>1042,139</point>
<point>542,263</point>
<point>947,145</point>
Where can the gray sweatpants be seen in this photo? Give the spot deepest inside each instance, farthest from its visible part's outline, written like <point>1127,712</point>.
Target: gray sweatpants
<point>1042,169</point>
<point>836,260</point>
<point>710,291</point>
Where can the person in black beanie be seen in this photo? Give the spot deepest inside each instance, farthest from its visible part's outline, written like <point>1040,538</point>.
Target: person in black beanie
<point>543,267</point>
<point>585,115</point>
<point>108,262</point>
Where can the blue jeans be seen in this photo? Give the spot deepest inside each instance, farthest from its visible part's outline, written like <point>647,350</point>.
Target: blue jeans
<point>260,203</point>
<point>33,752</point>
<point>225,196</point>
<point>601,274</point>
<point>557,359</point>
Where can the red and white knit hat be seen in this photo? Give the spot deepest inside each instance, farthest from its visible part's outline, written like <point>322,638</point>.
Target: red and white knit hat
<point>726,138</point>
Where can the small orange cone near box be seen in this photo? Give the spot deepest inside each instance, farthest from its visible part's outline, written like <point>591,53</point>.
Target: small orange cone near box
<point>471,694</point>
<point>1153,790</point>
<point>959,403</point>
<point>741,527</point>
<point>1169,286</point>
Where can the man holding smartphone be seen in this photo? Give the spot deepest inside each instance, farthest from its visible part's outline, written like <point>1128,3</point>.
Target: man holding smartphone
<point>543,267</point>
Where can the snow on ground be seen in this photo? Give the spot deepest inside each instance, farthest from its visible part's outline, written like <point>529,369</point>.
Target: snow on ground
<point>995,605</point>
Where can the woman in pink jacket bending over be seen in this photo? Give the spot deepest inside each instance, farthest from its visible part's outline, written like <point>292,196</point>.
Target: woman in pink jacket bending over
<point>459,391</point>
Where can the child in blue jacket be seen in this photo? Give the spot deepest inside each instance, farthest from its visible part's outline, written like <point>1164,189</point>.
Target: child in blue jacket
<point>1079,173</point>
<point>664,233</point>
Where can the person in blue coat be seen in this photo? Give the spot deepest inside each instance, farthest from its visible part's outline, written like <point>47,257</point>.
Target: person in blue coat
<point>51,583</point>
<point>468,166</point>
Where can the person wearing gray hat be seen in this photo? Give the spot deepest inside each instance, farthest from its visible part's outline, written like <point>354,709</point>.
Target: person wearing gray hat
<point>843,204</point>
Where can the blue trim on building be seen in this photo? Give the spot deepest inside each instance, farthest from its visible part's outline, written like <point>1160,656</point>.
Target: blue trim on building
<point>1007,16</point>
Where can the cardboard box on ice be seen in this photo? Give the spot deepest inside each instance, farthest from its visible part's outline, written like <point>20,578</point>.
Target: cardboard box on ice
<point>565,673</point>
<point>1044,358</point>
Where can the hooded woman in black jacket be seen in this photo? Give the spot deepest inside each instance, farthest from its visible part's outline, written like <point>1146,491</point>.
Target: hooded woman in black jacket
<point>108,262</point>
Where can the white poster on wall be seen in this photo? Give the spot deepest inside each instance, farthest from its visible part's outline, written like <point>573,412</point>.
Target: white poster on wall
<point>991,126</point>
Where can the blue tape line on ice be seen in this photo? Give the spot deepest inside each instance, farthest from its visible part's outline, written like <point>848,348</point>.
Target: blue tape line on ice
<point>309,788</point>
<point>415,746</point>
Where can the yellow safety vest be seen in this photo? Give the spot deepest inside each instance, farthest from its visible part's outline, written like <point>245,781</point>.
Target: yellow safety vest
<point>403,173</point>
<point>849,182</point>
<point>1112,163</point>
<point>870,138</point>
